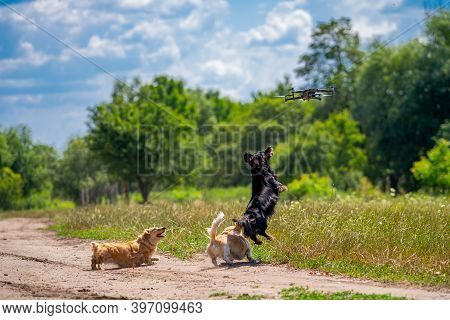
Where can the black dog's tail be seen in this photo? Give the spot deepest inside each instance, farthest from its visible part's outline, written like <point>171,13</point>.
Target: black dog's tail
<point>215,225</point>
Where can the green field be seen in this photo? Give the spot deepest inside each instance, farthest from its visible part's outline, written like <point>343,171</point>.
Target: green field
<point>391,239</point>
<point>301,293</point>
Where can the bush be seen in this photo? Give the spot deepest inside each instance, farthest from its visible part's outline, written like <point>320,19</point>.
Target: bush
<point>10,188</point>
<point>37,200</point>
<point>433,171</point>
<point>44,200</point>
<point>183,194</point>
<point>311,185</point>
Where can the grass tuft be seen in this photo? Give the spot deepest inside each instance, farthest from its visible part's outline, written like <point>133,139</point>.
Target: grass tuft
<point>225,294</point>
<point>246,296</point>
<point>300,293</point>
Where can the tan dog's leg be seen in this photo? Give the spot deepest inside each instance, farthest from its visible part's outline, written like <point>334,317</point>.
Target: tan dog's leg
<point>250,258</point>
<point>152,261</point>
<point>227,255</point>
<point>93,263</point>
<point>214,261</point>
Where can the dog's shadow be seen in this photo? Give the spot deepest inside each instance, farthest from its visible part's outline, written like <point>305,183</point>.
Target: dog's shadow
<point>121,268</point>
<point>239,264</point>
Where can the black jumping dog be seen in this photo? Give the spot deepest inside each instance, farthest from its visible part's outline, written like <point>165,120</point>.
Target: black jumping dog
<point>265,191</point>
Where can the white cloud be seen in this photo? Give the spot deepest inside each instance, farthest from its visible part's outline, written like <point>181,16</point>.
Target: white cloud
<point>219,68</point>
<point>17,83</point>
<point>368,28</point>
<point>367,17</point>
<point>154,29</point>
<point>21,98</point>
<point>228,61</point>
<point>29,56</point>
<point>169,50</point>
<point>54,15</point>
<point>286,22</point>
<point>98,47</point>
<point>135,3</point>
<point>202,12</point>
<point>35,58</point>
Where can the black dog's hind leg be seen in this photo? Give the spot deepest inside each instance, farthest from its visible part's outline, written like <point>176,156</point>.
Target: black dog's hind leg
<point>255,239</point>
<point>262,227</point>
<point>266,235</point>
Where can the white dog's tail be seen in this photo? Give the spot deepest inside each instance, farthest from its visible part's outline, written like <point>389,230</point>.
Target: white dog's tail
<point>94,246</point>
<point>215,225</point>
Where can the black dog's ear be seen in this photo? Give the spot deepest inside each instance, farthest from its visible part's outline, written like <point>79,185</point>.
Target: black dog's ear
<point>268,153</point>
<point>247,157</point>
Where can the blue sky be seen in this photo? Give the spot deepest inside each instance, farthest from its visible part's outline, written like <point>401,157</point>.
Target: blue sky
<point>235,46</point>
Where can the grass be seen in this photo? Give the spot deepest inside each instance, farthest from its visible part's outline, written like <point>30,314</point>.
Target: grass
<point>240,193</point>
<point>37,213</point>
<point>246,296</point>
<point>219,294</point>
<point>402,239</point>
<point>300,293</point>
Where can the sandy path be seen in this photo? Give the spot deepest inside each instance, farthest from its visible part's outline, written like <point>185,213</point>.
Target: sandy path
<point>36,264</point>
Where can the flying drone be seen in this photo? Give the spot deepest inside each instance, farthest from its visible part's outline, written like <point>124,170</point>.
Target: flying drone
<point>308,94</point>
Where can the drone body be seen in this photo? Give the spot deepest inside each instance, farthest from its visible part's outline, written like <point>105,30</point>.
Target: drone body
<point>308,94</point>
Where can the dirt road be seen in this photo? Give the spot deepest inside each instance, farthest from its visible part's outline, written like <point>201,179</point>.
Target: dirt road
<point>34,264</point>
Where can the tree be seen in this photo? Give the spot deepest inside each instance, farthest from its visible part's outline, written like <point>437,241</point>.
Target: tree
<point>141,139</point>
<point>10,188</point>
<point>80,175</point>
<point>330,148</point>
<point>334,49</point>
<point>433,171</point>
<point>34,162</point>
<point>6,157</point>
<point>333,57</point>
<point>400,103</point>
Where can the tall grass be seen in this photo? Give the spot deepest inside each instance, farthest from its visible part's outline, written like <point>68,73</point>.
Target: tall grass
<point>398,239</point>
<point>182,194</point>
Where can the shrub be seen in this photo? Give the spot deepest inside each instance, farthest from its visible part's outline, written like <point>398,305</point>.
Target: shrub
<point>188,193</point>
<point>10,188</point>
<point>311,185</point>
<point>43,200</point>
<point>433,171</point>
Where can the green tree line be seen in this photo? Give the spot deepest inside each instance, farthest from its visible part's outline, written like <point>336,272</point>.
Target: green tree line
<point>388,123</point>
